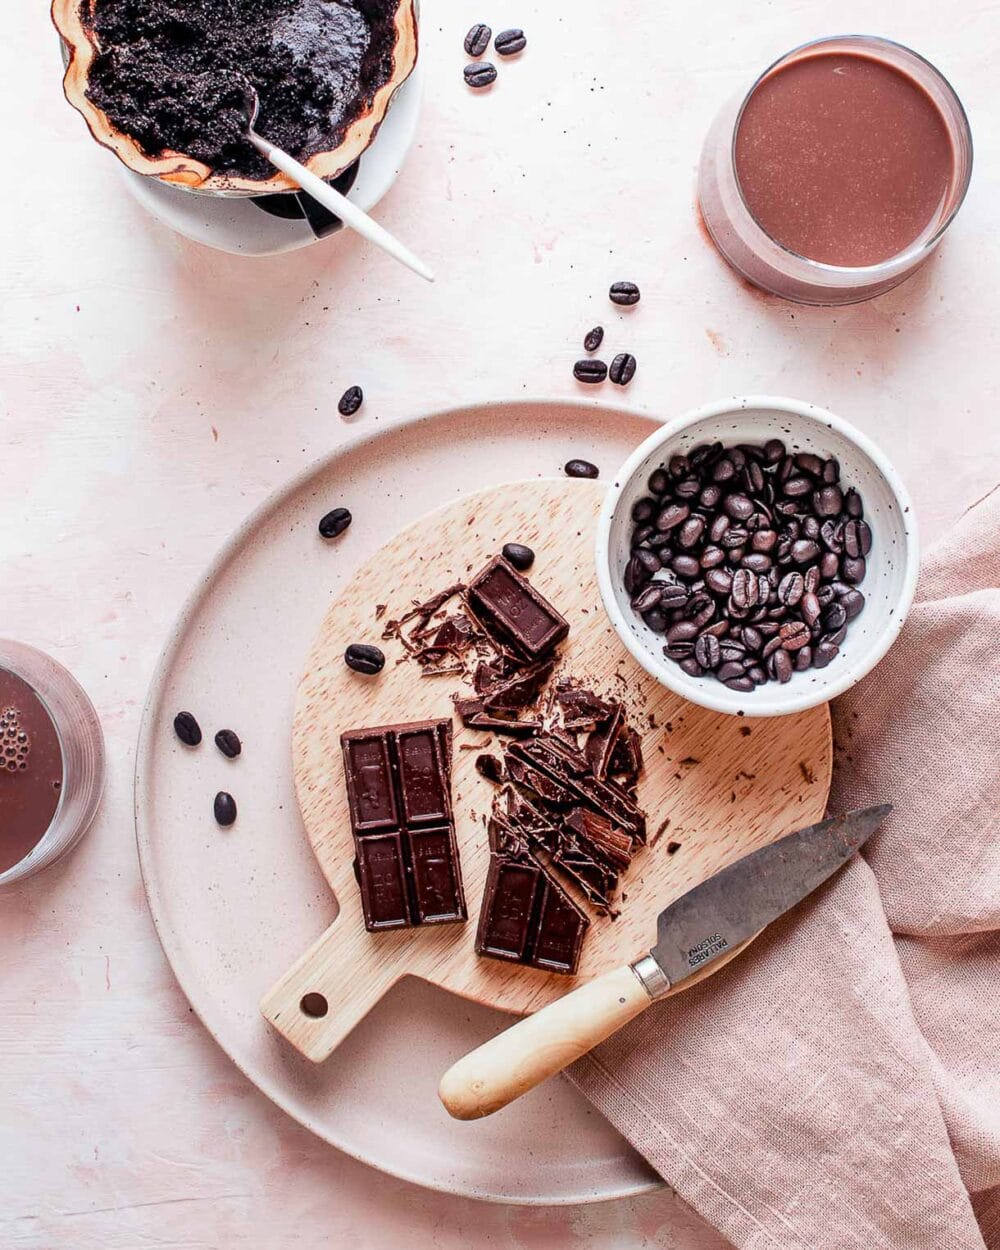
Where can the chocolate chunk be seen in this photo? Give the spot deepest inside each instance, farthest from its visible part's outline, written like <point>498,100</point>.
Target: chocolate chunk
<point>490,767</point>
<point>600,834</point>
<point>399,795</point>
<point>528,918</point>
<point>513,608</point>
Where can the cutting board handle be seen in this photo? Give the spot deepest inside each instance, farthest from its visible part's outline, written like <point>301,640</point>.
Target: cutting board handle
<point>324,994</point>
<point>541,1045</point>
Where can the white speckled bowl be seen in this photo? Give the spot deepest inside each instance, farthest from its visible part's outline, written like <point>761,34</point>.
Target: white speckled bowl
<point>892,564</point>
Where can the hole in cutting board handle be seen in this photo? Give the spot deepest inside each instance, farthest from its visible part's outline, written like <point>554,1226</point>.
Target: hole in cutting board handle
<point>314,1005</point>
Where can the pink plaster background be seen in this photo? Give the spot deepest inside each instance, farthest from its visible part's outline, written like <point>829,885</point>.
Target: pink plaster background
<point>153,392</point>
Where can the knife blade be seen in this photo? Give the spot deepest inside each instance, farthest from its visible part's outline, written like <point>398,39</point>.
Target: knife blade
<point>734,904</point>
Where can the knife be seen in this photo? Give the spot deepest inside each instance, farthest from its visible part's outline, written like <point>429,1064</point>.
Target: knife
<point>701,930</point>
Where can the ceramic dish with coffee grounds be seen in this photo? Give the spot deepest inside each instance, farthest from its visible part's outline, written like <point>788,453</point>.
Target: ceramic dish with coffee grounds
<point>162,83</point>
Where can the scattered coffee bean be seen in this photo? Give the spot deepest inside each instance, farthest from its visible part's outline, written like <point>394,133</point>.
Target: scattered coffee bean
<point>510,42</point>
<point>228,743</point>
<point>593,339</point>
<point>580,468</point>
<point>625,293</point>
<point>364,658</point>
<point>335,522</point>
<point>187,729</point>
<point>520,556</point>
<point>351,401</point>
<point>747,560</point>
<point>480,74</point>
<point>622,369</point>
<point>590,370</point>
<point>225,809</point>
<point>478,39</point>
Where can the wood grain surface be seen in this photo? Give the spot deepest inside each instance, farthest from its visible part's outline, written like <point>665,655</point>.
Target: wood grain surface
<point>715,785</point>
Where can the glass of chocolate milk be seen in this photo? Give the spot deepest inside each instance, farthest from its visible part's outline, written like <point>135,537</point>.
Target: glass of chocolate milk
<point>834,177</point>
<point>51,761</point>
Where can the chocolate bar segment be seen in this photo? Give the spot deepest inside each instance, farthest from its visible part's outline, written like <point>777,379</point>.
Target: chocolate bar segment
<point>528,918</point>
<point>399,794</point>
<point>508,603</point>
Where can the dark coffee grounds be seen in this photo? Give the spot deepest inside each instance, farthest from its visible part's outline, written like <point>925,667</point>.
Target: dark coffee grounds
<point>171,73</point>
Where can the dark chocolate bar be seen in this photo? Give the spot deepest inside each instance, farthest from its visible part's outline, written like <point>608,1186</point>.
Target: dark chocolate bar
<point>399,794</point>
<point>509,603</point>
<point>528,918</point>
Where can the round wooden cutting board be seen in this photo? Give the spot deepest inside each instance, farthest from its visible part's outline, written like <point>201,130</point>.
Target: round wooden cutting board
<point>714,787</point>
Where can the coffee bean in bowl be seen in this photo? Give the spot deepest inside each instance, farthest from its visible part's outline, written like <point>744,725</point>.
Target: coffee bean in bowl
<point>724,556</point>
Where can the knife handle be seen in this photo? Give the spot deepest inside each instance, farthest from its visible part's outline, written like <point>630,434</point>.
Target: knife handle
<point>542,1044</point>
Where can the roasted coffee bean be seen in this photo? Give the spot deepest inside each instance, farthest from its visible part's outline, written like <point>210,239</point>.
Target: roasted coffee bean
<point>791,588</point>
<point>837,637</point>
<point>834,617</point>
<point>480,74</point>
<point>825,595</point>
<point>731,669</point>
<point>738,507</point>
<point>590,370</point>
<point>852,602</point>
<point>651,562</point>
<point>519,555</point>
<point>679,466</point>
<point>857,538</point>
<point>756,674</point>
<point>732,651</point>
<point>757,562</point>
<point>659,482</point>
<point>753,477</point>
<point>228,743</point>
<point>853,571</point>
<point>580,468</point>
<point>828,501</point>
<point>809,463</point>
<point>672,594</point>
<point>804,551</point>
<point>723,470</point>
<point>752,638</point>
<point>718,528</point>
<point>656,619</point>
<point>689,665</point>
<point>649,597</point>
<point>794,634</point>
<point>719,581</point>
<point>774,451</point>
<point>764,540</point>
<point>642,535</point>
<point>478,39</point>
<point>626,293</point>
<point>622,369</point>
<point>335,522</point>
<point>225,809</point>
<point>710,496</point>
<point>691,531</point>
<point>733,538</point>
<point>364,658</point>
<point>643,510</point>
<point>683,631</point>
<point>635,575</point>
<point>350,401</point>
<point>810,527</point>
<point>707,651</point>
<point>719,629</point>
<point>743,684</point>
<point>796,487</point>
<point>671,516</point>
<point>803,658</point>
<point>853,505</point>
<point>510,42</point>
<point>687,488</point>
<point>780,666</point>
<point>824,653</point>
<point>744,589</point>
<point>187,729</point>
<point>831,532</point>
<point>829,565</point>
<point>593,339</point>
<point>810,608</point>
<point>712,557</point>
<point>686,567</point>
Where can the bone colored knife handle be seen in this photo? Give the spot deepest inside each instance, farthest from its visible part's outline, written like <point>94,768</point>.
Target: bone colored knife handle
<point>542,1044</point>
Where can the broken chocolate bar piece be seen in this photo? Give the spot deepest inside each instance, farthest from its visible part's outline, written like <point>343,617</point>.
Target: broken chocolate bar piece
<point>582,709</point>
<point>508,603</point>
<point>528,918</point>
<point>399,794</point>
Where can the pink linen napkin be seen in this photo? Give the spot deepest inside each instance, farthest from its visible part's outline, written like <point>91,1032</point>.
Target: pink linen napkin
<point>838,1085</point>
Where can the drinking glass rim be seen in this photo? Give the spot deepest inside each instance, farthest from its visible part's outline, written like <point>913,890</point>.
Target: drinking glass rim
<point>915,250</point>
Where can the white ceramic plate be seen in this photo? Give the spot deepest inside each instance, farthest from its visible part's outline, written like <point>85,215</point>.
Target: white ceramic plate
<point>234,908</point>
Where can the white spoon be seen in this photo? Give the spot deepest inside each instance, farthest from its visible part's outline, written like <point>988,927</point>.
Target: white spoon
<point>338,204</point>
